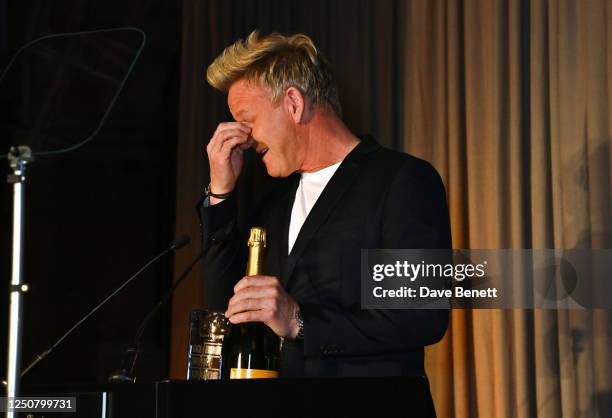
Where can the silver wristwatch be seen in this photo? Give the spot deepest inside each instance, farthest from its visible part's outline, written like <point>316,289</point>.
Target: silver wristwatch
<point>300,334</point>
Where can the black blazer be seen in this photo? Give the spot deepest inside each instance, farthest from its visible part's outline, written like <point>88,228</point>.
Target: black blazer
<point>377,198</point>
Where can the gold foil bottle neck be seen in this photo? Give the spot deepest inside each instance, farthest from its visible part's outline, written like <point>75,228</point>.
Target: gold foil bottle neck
<point>257,236</point>
<point>256,244</point>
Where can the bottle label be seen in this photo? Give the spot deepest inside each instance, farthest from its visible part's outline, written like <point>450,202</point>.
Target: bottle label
<point>252,374</point>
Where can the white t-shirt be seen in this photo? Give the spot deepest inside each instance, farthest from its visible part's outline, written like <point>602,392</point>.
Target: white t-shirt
<point>310,188</point>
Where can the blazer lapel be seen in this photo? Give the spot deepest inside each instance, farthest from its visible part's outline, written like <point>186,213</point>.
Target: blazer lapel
<point>286,219</point>
<point>278,229</point>
<point>330,197</point>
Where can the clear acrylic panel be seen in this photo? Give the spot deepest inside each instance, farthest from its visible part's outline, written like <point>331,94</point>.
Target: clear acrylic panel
<point>58,90</point>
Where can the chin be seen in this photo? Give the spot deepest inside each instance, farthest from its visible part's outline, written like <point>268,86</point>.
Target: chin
<point>276,171</point>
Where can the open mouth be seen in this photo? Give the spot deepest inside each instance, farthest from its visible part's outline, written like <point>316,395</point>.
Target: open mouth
<point>263,151</point>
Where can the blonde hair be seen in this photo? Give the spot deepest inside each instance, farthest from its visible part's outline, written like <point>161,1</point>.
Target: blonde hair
<point>277,62</point>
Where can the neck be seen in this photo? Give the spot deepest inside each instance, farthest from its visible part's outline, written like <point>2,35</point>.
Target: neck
<point>328,141</point>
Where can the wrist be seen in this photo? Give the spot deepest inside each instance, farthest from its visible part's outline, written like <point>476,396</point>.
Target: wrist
<point>217,187</point>
<point>216,196</point>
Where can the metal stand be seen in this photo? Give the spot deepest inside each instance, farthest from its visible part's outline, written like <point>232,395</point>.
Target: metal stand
<point>18,158</point>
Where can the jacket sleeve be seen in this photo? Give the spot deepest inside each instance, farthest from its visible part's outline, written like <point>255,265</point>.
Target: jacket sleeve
<point>224,256</point>
<point>415,216</point>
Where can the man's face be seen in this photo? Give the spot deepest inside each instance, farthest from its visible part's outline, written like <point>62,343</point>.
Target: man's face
<point>273,130</point>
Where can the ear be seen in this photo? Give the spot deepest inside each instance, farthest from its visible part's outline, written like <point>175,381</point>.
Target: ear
<point>295,104</point>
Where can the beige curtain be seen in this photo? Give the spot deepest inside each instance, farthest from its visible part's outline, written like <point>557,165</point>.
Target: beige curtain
<point>512,102</point>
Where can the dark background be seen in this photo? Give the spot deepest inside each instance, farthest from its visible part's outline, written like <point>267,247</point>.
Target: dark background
<point>95,215</point>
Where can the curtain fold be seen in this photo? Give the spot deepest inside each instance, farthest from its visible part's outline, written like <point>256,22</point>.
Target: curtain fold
<point>522,142</point>
<point>511,101</point>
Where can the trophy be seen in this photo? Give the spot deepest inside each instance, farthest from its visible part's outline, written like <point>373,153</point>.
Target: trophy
<point>206,333</point>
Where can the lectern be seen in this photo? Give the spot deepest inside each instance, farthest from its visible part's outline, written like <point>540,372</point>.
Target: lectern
<point>272,398</point>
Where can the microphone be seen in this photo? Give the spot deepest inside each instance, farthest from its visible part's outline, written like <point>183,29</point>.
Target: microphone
<point>178,243</point>
<point>126,373</point>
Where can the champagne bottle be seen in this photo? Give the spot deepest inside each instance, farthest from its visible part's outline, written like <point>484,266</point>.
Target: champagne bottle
<point>251,350</point>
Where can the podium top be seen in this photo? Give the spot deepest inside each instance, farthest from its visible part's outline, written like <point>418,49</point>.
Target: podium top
<point>303,397</point>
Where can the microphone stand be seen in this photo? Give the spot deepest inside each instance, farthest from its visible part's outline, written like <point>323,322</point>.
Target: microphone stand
<point>18,158</point>
<point>178,243</point>
<point>126,373</point>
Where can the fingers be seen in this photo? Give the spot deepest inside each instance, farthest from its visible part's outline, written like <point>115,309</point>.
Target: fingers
<point>255,292</point>
<point>225,126</point>
<point>251,304</point>
<point>228,146</point>
<point>251,316</point>
<point>256,281</point>
<point>224,132</point>
<point>263,299</point>
<point>224,152</point>
<point>246,298</point>
<point>249,144</point>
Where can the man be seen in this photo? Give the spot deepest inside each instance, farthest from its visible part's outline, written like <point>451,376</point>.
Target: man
<point>336,195</point>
